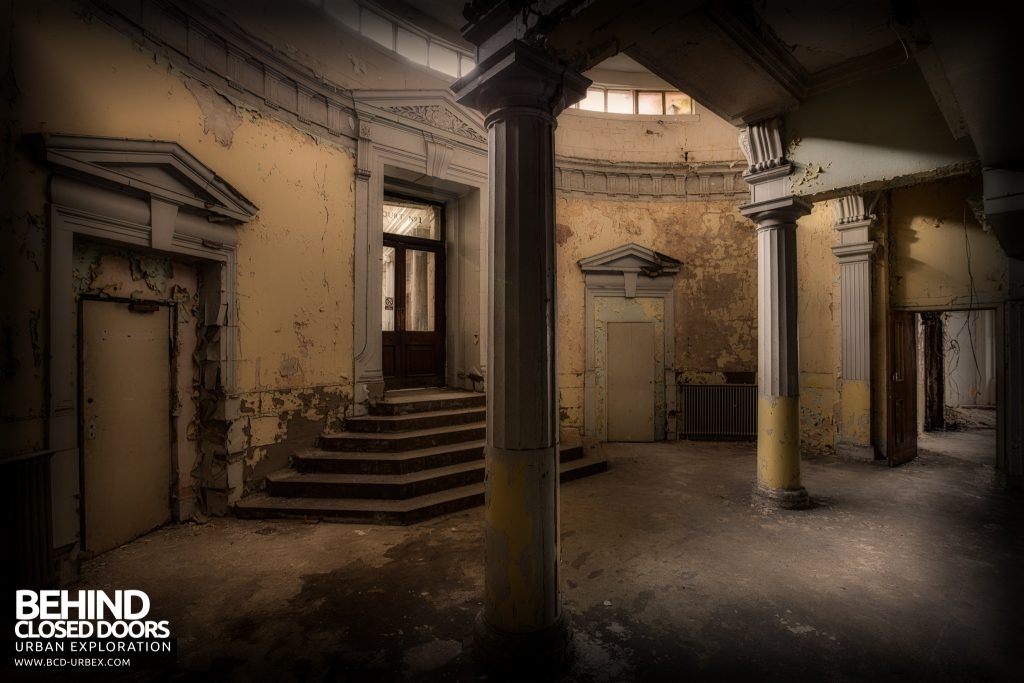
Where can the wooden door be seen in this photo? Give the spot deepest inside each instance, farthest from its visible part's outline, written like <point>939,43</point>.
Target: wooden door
<point>126,407</point>
<point>413,320</point>
<point>630,399</point>
<point>901,437</point>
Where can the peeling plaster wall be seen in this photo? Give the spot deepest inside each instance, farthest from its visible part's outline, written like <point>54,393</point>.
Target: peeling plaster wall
<point>819,330</point>
<point>699,137</point>
<point>75,74</point>
<point>103,270</point>
<point>935,238</point>
<point>715,290</point>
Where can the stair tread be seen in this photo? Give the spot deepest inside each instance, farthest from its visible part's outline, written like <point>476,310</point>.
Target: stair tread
<point>418,395</point>
<point>409,434</point>
<point>259,501</point>
<point>262,500</point>
<point>290,475</point>
<point>411,454</point>
<point>410,417</point>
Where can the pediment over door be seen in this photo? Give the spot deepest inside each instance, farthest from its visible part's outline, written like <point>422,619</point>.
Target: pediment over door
<point>627,267</point>
<point>428,110</point>
<point>157,169</point>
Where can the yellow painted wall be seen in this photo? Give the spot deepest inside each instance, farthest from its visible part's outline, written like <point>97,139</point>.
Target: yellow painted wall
<point>715,289</point>
<point>77,75</point>
<point>695,138</point>
<point>941,255</point>
<point>819,320</point>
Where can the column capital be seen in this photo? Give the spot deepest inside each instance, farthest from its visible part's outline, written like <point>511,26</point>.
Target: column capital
<point>761,144</point>
<point>849,253</point>
<point>853,222</point>
<point>773,213</point>
<point>519,78</point>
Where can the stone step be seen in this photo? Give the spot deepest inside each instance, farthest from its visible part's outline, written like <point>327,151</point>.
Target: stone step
<point>408,511</point>
<point>316,460</point>
<point>407,401</point>
<point>374,424</point>
<point>400,462</point>
<point>291,484</point>
<point>392,442</point>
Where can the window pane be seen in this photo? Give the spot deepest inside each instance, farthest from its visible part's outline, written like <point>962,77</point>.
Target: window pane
<point>414,220</point>
<point>388,288</point>
<point>677,103</point>
<point>345,11</point>
<point>649,103</point>
<point>420,274</point>
<point>466,65</point>
<point>411,45</point>
<point>444,60</point>
<point>594,101</point>
<point>378,29</point>
<point>620,101</point>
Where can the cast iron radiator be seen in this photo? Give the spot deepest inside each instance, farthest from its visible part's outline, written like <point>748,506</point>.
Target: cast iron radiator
<point>718,411</point>
<point>27,525</point>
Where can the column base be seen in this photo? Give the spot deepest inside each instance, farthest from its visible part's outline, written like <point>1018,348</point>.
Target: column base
<point>783,499</point>
<point>538,649</point>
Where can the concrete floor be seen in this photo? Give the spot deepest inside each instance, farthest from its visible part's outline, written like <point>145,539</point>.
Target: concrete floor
<point>668,572</point>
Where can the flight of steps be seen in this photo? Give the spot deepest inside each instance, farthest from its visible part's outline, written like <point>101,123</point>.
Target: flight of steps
<point>418,454</point>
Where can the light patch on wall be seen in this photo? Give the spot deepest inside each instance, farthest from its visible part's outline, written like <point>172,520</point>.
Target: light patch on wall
<point>220,115</point>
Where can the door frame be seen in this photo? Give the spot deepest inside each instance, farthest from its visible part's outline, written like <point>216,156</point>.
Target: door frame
<point>999,308</point>
<point>439,247</point>
<point>80,390</point>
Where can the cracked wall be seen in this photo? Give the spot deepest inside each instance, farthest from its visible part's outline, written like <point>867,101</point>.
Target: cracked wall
<point>819,330</point>
<point>941,255</point>
<point>78,75</point>
<point>715,290</point>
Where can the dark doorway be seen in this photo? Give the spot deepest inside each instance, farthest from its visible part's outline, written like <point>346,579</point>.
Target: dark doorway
<point>413,320</point>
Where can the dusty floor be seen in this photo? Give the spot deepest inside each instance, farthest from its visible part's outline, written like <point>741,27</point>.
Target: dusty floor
<point>668,572</point>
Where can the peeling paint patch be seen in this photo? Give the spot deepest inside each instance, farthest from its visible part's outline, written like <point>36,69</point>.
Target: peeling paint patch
<point>220,116</point>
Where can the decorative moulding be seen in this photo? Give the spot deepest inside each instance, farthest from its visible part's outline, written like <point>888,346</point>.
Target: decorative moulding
<point>649,181</point>
<point>216,51</point>
<point>434,112</point>
<point>630,261</point>
<point>161,170</point>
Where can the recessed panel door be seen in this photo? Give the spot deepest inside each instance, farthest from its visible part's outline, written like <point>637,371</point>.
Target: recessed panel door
<point>126,404</point>
<point>630,365</point>
<point>412,320</point>
<point>901,440</point>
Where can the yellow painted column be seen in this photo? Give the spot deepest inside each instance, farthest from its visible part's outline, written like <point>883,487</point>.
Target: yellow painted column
<point>855,405</point>
<point>778,402</point>
<point>778,443</point>
<point>521,90</point>
<point>853,222</point>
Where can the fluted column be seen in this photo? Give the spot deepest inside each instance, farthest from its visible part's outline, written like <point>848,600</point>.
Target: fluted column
<point>855,250</point>
<point>520,90</point>
<point>775,211</point>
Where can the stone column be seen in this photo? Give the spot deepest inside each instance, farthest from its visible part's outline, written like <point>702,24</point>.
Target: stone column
<point>520,90</point>
<point>775,211</point>
<point>855,249</point>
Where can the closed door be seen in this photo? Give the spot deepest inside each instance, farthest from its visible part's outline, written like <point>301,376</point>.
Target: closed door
<point>126,388</point>
<point>412,315</point>
<point>630,382</point>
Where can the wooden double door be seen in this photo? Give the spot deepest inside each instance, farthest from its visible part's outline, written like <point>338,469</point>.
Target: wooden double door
<point>413,320</point>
